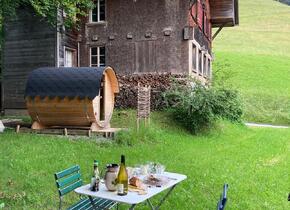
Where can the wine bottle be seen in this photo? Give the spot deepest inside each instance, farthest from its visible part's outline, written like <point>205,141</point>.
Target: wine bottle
<point>97,175</point>
<point>122,178</point>
<point>95,180</point>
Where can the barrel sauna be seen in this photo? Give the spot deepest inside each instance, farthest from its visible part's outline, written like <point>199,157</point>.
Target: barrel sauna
<point>71,97</point>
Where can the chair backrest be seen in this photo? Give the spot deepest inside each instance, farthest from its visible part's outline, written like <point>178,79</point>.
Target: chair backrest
<point>223,200</point>
<point>68,180</point>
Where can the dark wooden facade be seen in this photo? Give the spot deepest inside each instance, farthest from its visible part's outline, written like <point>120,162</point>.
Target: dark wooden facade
<point>137,37</point>
<point>29,43</point>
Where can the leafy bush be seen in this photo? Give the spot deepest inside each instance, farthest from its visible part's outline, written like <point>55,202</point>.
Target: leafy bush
<point>227,104</point>
<point>197,106</point>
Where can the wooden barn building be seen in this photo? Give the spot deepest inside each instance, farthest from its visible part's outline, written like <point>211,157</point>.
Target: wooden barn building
<point>143,40</point>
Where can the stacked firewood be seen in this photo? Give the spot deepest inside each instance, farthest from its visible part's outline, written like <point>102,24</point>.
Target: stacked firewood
<point>159,82</point>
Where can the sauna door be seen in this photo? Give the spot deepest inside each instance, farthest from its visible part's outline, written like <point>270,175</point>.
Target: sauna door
<point>106,105</point>
<point>102,99</point>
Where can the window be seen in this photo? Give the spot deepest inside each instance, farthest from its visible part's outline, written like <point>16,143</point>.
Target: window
<point>208,68</point>
<point>98,56</point>
<point>204,66</point>
<point>98,13</point>
<point>200,62</point>
<point>194,58</point>
<point>70,58</point>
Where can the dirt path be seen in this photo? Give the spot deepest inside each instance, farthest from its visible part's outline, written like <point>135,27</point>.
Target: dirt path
<point>265,125</point>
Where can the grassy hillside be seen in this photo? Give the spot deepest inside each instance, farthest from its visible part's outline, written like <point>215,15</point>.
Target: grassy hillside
<point>256,56</point>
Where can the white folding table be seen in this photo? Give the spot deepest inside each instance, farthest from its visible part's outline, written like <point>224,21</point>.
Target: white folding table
<point>132,198</point>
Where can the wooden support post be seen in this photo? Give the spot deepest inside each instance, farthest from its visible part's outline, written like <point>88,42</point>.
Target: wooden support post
<point>218,31</point>
<point>37,126</point>
<point>65,131</point>
<point>17,128</point>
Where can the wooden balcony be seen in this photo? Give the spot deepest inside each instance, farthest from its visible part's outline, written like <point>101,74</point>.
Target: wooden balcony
<point>224,13</point>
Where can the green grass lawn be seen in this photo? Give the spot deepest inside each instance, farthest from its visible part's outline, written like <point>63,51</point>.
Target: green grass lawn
<point>257,55</point>
<point>255,163</point>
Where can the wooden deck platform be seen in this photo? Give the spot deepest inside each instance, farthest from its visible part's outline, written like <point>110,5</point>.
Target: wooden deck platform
<point>107,133</point>
<point>22,127</point>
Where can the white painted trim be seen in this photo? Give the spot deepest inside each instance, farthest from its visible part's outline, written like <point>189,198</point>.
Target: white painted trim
<point>90,16</point>
<point>98,12</point>
<point>205,63</point>
<point>63,59</point>
<point>78,55</point>
<point>196,58</point>
<point>190,46</point>
<point>90,57</point>
<point>205,55</point>
<point>202,62</point>
<point>98,56</point>
<point>57,49</point>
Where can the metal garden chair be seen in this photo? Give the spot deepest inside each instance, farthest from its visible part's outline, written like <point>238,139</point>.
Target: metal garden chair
<point>70,179</point>
<point>223,200</point>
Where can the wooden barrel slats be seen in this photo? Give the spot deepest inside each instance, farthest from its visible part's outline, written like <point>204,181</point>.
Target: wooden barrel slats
<point>80,97</point>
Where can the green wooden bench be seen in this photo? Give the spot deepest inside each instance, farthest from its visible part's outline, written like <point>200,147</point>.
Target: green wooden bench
<point>70,179</point>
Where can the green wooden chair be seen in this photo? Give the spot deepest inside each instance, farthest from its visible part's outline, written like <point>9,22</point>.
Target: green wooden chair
<point>223,200</point>
<point>70,179</point>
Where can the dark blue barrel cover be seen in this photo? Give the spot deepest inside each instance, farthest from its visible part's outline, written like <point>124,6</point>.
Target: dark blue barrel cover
<point>64,82</point>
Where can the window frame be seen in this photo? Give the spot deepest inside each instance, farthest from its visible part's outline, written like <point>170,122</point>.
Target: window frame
<point>209,68</point>
<point>200,62</point>
<point>97,3</point>
<point>98,55</point>
<point>205,60</point>
<point>194,63</point>
<point>74,56</point>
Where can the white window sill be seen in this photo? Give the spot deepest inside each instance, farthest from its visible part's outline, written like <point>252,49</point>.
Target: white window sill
<point>96,23</point>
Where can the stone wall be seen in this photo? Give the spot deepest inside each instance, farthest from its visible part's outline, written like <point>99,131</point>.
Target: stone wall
<point>140,36</point>
<point>159,82</point>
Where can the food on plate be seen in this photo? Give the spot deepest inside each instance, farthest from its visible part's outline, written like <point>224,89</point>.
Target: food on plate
<point>136,182</point>
<point>157,181</point>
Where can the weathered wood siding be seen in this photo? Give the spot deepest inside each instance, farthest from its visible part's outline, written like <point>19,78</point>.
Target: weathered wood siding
<point>29,44</point>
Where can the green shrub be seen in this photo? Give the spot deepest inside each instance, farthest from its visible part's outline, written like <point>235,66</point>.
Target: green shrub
<point>227,104</point>
<point>197,106</point>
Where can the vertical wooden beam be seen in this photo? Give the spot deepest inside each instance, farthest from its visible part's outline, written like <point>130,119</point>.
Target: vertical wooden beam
<point>17,128</point>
